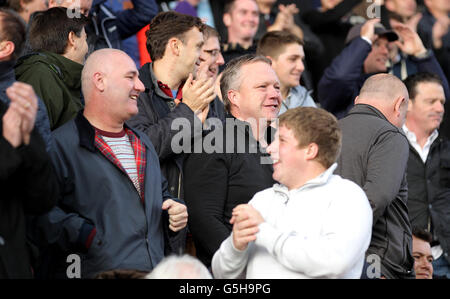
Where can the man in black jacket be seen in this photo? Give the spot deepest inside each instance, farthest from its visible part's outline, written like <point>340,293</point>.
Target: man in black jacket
<point>174,42</point>
<point>374,155</point>
<point>428,170</point>
<point>27,179</point>
<point>231,166</point>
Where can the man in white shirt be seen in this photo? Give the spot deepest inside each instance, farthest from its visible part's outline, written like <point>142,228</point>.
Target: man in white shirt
<point>312,225</point>
<point>428,171</point>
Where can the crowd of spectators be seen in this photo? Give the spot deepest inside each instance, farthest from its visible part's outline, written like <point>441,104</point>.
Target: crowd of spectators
<point>124,160</point>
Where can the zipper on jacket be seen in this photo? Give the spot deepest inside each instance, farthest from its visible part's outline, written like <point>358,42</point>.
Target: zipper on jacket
<point>179,185</point>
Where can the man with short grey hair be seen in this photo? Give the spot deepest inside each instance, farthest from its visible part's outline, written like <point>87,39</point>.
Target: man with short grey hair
<point>180,267</point>
<point>229,170</point>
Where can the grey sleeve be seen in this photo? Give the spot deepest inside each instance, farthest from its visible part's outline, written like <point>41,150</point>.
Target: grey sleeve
<point>386,166</point>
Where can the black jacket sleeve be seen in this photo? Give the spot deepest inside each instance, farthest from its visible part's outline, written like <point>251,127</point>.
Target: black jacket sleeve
<point>28,173</point>
<point>206,185</point>
<point>339,83</point>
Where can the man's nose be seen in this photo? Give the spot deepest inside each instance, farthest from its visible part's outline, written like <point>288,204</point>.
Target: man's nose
<point>220,60</point>
<point>138,85</point>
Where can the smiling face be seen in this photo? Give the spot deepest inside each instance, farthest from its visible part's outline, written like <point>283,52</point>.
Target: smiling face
<point>258,96</point>
<point>288,158</point>
<point>422,259</point>
<point>377,58</point>
<point>122,88</point>
<point>242,21</point>
<point>289,65</point>
<point>211,57</point>
<point>190,49</point>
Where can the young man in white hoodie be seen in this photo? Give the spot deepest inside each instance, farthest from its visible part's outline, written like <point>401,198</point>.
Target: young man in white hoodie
<point>313,224</point>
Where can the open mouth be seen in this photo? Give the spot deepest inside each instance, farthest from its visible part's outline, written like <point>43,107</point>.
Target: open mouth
<point>212,70</point>
<point>134,97</point>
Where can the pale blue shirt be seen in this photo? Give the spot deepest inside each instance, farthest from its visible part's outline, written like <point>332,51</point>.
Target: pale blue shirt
<point>298,97</point>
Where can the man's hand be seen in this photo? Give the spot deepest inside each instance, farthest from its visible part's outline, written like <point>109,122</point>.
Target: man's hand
<point>197,94</point>
<point>440,29</point>
<point>11,125</point>
<point>414,21</point>
<point>284,20</point>
<point>178,215</point>
<point>18,121</point>
<point>202,115</point>
<point>410,42</point>
<point>245,220</point>
<point>368,29</point>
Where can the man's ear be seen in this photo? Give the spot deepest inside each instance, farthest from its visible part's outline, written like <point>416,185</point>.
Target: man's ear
<point>6,49</point>
<point>312,151</point>
<point>174,46</point>
<point>226,19</point>
<point>356,100</point>
<point>99,81</point>
<point>272,60</point>
<point>71,39</point>
<point>233,97</point>
<point>398,104</point>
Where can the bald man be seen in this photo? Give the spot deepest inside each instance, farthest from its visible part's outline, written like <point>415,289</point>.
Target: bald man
<point>374,155</point>
<point>115,211</point>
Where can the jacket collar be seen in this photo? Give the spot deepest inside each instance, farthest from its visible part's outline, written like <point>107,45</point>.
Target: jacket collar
<point>321,179</point>
<point>86,132</point>
<point>370,110</point>
<point>147,76</point>
<point>367,109</point>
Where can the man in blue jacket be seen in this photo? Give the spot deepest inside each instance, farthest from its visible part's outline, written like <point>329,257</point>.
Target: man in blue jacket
<point>366,54</point>
<point>115,211</point>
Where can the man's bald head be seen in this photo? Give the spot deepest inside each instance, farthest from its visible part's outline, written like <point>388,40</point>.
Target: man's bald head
<point>388,94</point>
<point>382,87</point>
<point>111,88</point>
<point>100,61</point>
